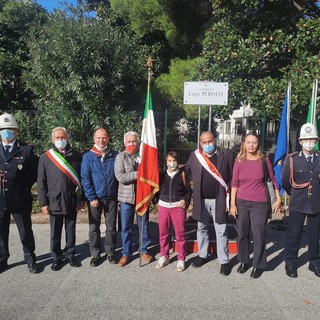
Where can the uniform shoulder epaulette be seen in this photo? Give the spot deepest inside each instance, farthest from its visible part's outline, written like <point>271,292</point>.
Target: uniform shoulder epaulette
<point>292,154</point>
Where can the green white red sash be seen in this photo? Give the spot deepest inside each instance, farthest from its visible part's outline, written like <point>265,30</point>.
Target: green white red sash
<point>63,165</point>
<point>209,166</point>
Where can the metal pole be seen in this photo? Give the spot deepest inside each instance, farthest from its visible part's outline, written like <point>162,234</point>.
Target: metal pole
<point>263,130</point>
<point>314,103</point>
<point>165,135</point>
<point>209,119</point>
<point>141,239</point>
<point>149,65</point>
<point>199,123</point>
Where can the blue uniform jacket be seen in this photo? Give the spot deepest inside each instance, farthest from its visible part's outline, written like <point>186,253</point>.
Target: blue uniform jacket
<point>299,200</point>
<point>97,177</point>
<point>19,170</point>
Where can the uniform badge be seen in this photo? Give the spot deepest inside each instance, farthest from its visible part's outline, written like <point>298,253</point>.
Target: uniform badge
<point>20,166</point>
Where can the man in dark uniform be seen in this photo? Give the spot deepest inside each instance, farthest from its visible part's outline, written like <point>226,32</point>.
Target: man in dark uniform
<point>211,170</point>
<point>301,180</point>
<point>18,172</point>
<point>59,191</point>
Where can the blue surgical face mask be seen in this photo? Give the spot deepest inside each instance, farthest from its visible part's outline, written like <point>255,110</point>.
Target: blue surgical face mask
<point>60,144</point>
<point>209,148</point>
<point>7,134</point>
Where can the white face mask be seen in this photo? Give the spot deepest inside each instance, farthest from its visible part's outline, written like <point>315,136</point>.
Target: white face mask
<point>60,144</point>
<point>101,149</point>
<point>172,165</point>
<point>308,145</point>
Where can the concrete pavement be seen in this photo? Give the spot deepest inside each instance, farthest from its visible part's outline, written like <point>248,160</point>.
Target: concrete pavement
<point>133,292</point>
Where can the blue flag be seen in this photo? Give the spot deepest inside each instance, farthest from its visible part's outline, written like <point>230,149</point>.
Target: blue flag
<point>282,145</point>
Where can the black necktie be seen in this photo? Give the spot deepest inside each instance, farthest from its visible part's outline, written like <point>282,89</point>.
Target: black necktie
<point>309,159</point>
<point>6,150</point>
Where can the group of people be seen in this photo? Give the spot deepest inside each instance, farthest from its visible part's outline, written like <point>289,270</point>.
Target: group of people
<point>221,185</point>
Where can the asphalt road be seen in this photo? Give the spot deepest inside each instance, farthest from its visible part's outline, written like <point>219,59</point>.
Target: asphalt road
<point>133,292</point>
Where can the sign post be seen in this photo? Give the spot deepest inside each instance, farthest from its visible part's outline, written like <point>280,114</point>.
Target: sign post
<point>202,93</point>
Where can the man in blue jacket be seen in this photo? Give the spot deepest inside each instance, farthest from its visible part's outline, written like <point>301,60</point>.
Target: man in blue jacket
<point>100,188</point>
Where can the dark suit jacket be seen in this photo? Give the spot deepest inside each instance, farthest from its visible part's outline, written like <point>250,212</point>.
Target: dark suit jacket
<point>55,189</point>
<point>299,197</point>
<point>224,166</point>
<point>20,169</point>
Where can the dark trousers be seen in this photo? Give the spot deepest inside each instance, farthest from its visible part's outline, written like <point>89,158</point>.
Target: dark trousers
<point>56,225</point>
<point>254,215</point>
<point>109,208</point>
<point>294,235</point>
<point>24,225</point>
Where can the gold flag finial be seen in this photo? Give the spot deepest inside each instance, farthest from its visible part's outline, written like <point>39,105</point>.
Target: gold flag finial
<point>150,66</point>
<point>150,62</point>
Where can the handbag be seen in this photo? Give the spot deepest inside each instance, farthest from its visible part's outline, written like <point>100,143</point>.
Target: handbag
<point>271,195</point>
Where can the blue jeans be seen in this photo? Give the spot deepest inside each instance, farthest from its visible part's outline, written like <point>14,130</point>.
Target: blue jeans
<point>127,212</point>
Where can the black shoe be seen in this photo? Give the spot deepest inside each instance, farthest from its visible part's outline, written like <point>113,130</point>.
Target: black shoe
<point>243,267</point>
<point>291,271</point>
<point>111,258</point>
<point>57,265</point>
<point>225,269</point>
<point>33,268</point>
<point>199,262</point>
<point>95,261</point>
<point>315,269</point>
<point>73,262</point>
<point>256,273</point>
<point>3,267</point>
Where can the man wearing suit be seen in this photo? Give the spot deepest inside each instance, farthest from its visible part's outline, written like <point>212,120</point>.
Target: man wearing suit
<point>211,170</point>
<point>301,180</point>
<point>18,172</point>
<point>59,192</point>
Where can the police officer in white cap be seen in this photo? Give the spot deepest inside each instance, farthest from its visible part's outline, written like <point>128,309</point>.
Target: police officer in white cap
<point>301,180</point>
<point>18,172</point>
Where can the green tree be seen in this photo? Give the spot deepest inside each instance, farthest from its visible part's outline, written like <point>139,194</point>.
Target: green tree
<point>17,20</point>
<point>182,22</point>
<point>258,46</point>
<point>82,68</point>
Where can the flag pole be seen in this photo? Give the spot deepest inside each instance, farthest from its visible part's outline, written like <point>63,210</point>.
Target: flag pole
<point>314,103</point>
<point>288,142</point>
<point>149,65</point>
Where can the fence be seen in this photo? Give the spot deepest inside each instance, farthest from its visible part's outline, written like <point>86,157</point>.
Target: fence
<point>174,132</point>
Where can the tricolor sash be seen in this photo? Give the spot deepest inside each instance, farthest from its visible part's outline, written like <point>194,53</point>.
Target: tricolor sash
<point>63,165</point>
<point>209,166</point>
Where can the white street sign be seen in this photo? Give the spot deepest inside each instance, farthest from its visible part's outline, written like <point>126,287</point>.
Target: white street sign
<point>206,93</point>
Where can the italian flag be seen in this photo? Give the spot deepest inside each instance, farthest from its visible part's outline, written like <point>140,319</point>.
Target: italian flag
<point>148,171</point>
<point>312,118</point>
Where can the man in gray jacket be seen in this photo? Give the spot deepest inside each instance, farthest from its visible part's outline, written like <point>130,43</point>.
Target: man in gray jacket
<point>126,171</point>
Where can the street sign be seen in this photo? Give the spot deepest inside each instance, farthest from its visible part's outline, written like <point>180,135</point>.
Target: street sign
<point>206,93</point>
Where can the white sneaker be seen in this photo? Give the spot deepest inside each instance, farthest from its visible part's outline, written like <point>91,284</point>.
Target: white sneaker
<point>162,262</point>
<point>180,266</point>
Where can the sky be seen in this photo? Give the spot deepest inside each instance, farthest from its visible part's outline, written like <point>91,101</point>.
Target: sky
<point>51,4</point>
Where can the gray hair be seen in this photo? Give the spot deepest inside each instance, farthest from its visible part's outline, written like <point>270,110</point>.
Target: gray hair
<point>62,129</point>
<point>130,133</point>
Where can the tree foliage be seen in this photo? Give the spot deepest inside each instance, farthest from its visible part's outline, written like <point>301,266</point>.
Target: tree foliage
<point>258,46</point>
<point>17,20</point>
<point>180,21</point>
<point>82,68</point>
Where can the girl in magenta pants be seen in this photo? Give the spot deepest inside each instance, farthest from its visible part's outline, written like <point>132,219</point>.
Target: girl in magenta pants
<point>174,197</point>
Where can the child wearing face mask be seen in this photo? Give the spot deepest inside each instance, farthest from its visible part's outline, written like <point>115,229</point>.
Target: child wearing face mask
<point>174,198</point>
